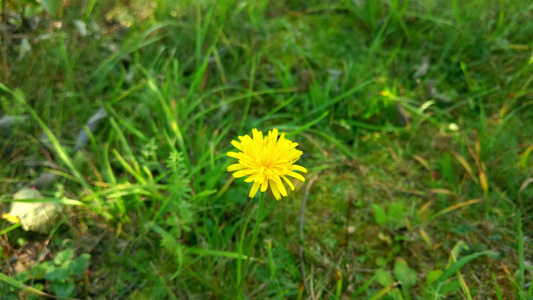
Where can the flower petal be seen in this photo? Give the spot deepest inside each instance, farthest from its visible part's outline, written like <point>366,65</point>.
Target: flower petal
<point>274,189</point>
<point>264,186</point>
<point>288,182</point>
<point>281,188</point>
<point>254,189</point>
<point>251,178</point>
<point>270,174</point>
<point>297,176</point>
<point>236,167</point>
<point>257,135</point>
<point>274,136</point>
<point>234,155</point>
<point>260,177</point>
<point>245,142</point>
<point>242,173</point>
<point>299,168</point>
<point>237,145</point>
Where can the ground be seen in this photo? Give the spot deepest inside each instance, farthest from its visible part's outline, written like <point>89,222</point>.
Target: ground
<point>414,119</point>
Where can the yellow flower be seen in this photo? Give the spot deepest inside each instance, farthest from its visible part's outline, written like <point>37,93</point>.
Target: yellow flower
<point>266,161</point>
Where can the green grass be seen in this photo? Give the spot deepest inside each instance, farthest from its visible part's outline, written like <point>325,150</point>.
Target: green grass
<point>422,186</point>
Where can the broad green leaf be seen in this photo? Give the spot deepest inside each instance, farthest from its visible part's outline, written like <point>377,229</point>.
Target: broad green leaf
<point>396,212</point>
<point>79,265</point>
<point>433,275</point>
<point>22,276</point>
<point>379,214</point>
<point>404,274</point>
<point>62,289</point>
<point>59,274</point>
<point>39,271</point>
<point>64,256</point>
<point>384,278</point>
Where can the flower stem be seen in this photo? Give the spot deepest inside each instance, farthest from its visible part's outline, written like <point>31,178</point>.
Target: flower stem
<point>255,232</point>
<point>256,229</point>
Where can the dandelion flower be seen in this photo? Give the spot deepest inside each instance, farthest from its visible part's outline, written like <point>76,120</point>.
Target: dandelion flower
<point>267,161</point>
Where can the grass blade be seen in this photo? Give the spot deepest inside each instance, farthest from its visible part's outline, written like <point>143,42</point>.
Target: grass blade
<point>456,266</point>
<point>48,200</point>
<point>22,286</point>
<point>384,291</point>
<point>520,242</point>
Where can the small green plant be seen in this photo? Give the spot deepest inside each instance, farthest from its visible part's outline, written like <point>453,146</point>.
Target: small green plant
<point>57,277</point>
